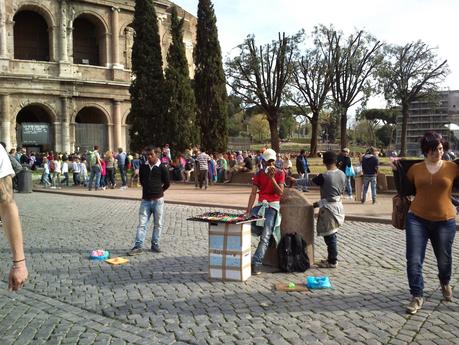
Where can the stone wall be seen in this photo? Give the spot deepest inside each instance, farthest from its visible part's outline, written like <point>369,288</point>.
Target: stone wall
<point>62,88</point>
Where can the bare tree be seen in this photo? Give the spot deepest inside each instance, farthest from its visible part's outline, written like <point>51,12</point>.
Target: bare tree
<point>260,75</point>
<point>354,62</point>
<point>410,72</point>
<point>312,80</point>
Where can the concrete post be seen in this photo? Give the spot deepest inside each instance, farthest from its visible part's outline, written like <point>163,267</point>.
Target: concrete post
<point>63,32</point>
<point>110,137</point>
<point>65,125</point>
<point>116,38</point>
<point>3,50</point>
<point>5,121</point>
<point>117,124</point>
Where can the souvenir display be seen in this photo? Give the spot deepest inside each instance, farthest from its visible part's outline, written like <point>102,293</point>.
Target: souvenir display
<point>221,217</point>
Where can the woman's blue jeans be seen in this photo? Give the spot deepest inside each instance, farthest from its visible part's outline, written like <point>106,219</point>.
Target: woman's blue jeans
<point>441,235</point>
<point>264,232</point>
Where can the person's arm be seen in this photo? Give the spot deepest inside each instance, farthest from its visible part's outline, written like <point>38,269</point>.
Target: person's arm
<point>318,180</point>
<point>252,197</point>
<point>278,189</point>
<point>165,178</point>
<point>141,175</point>
<point>12,225</point>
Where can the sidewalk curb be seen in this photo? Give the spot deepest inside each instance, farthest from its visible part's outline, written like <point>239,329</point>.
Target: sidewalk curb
<point>365,219</point>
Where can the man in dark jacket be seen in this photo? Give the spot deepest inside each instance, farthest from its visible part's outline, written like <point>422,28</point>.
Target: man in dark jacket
<point>154,178</point>
<point>343,162</point>
<point>370,166</point>
<point>303,169</point>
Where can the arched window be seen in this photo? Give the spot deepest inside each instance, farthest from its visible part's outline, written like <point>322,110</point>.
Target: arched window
<point>88,42</point>
<point>91,129</point>
<point>31,38</point>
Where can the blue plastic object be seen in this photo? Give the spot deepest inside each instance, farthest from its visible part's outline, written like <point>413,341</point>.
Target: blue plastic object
<point>318,283</point>
<point>101,258</point>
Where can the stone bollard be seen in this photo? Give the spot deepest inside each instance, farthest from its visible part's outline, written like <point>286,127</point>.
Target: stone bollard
<point>297,216</point>
<point>381,182</point>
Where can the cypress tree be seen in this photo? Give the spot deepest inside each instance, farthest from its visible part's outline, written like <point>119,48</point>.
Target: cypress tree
<point>210,82</point>
<point>147,88</point>
<point>181,116</point>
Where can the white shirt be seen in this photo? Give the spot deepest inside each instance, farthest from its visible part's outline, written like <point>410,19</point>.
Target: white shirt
<point>5,164</point>
<point>157,164</point>
<point>65,167</point>
<point>57,166</point>
<point>76,167</point>
<point>83,169</point>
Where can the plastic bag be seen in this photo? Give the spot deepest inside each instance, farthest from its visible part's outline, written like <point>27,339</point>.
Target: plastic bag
<point>318,282</point>
<point>349,171</point>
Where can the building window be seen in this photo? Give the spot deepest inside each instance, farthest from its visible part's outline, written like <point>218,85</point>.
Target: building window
<point>31,38</point>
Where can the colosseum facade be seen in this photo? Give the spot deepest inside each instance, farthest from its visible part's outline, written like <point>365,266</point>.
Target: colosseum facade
<point>65,71</point>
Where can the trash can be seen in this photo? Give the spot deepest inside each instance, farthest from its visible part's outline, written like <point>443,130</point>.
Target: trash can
<point>25,181</point>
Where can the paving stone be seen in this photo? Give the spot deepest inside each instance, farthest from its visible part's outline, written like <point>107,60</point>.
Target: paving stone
<point>166,298</point>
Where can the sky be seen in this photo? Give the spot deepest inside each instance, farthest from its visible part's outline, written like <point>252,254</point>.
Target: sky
<point>391,21</point>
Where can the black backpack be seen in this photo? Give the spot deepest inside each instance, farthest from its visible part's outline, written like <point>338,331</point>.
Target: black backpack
<point>292,255</point>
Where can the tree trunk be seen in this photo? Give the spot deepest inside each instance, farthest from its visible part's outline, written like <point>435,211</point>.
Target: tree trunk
<point>403,144</point>
<point>314,129</point>
<point>274,133</point>
<point>343,125</point>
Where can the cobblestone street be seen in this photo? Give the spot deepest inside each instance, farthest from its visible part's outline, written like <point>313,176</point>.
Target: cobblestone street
<point>166,298</point>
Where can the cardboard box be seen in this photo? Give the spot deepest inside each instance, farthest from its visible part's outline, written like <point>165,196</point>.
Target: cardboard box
<point>229,251</point>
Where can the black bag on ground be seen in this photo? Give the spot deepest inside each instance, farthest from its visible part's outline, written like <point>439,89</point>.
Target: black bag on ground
<point>292,255</point>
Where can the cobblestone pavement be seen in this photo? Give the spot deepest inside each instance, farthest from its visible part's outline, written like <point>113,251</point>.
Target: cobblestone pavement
<point>166,298</point>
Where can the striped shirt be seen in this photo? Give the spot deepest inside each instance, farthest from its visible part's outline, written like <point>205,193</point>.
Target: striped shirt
<point>202,159</point>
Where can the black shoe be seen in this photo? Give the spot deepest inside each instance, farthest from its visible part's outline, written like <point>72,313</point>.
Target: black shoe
<point>256,269</point>
<point>155,248</point>
<point>135,251</point>
<point>362,201</point>
<point>374,201</point>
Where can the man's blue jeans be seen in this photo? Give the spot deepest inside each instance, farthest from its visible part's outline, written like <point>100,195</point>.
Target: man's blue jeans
<point>122,169</point>
<point>441,235</point>
<point>95,173</point>
<point>367,179</point>
<point>264,232</point>
<point>349,185</point>
<point>302,184</point>
<point>146,210</point>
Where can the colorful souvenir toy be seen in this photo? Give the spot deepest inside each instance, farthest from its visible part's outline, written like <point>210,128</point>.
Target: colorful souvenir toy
<point>99,254</point>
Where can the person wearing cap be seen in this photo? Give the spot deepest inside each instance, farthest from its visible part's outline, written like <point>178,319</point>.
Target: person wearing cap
<point>269,183</point>
<point>344,161</point>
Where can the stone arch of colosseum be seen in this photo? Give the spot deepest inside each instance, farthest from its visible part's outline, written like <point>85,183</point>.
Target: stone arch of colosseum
<point>33,32</point>
<point>35,125</point>
<point>90,39</point>
<point>92,125</point>
<point>106,113</point>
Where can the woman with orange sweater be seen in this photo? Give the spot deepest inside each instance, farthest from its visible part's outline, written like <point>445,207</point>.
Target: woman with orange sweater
<point>431,217</point>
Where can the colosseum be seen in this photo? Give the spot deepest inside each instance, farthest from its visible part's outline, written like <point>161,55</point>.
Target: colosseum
<point>65,71</point>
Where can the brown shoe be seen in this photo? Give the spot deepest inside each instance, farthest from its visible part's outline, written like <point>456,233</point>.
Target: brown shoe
<point>415,304</point>
<point>447,292</point>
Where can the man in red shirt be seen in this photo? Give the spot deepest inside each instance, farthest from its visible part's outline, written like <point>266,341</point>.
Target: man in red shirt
<point>269,183</point>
